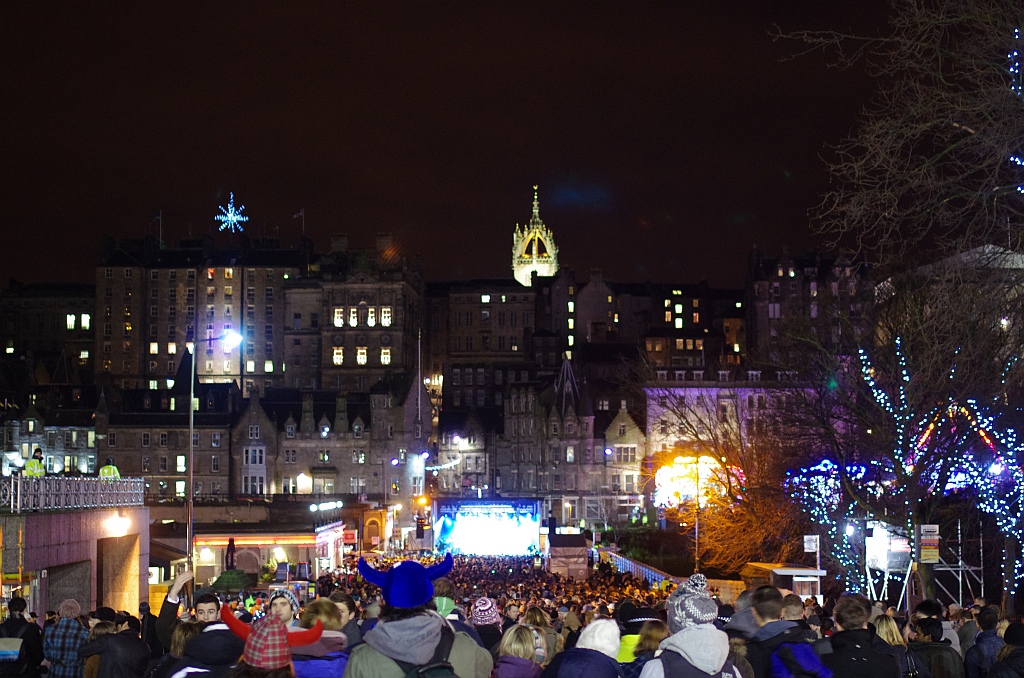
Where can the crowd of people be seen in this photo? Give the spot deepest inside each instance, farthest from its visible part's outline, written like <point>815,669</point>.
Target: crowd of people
<point>504,618</point>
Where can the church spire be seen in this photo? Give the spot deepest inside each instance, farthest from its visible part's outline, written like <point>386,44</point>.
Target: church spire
<point>535,219</point>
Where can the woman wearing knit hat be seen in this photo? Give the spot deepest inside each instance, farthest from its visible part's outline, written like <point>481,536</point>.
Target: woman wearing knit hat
<point>1010,660</point>
<point>486,619</point>
<point>695,642</point>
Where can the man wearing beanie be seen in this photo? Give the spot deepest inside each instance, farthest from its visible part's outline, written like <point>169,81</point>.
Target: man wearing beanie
<point>285,606</point>
<point>409,632</point>
<point>1012,663</point>
<point>593,656</point>
<point>695,642</point>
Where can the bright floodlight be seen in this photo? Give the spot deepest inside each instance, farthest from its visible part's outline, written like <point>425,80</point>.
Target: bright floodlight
<point>495,534</point>
<point>231,340</point>
<point>849,530</point>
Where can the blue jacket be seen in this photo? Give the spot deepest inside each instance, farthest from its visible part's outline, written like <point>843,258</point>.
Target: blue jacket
<point>582,663</point>
<point>982,654</point>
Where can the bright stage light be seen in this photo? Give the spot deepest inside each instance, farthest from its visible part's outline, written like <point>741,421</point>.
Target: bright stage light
<point>490,533</point>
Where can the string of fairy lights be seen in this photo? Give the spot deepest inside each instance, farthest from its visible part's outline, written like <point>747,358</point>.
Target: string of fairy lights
<point>991,470</point>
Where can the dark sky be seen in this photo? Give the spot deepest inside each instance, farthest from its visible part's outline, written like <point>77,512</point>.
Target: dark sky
<point>666,140</point>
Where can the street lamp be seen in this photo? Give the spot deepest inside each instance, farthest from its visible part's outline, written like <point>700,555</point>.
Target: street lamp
<point>231,341</point>
<point>568,506</point>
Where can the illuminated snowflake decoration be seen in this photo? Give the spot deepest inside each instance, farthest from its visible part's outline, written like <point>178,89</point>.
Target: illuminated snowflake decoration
<point>231,218</point>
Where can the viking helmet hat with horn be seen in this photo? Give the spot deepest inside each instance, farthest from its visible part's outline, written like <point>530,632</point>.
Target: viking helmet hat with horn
<point>267,642</point>
<point>407,584</point>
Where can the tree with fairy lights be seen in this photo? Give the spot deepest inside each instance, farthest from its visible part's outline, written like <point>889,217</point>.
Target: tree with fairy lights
<point>929,191</point>
<point>900,455</point>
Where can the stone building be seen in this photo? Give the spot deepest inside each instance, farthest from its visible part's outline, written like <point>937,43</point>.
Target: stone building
<point>150,301</point>
<point>50,327</point>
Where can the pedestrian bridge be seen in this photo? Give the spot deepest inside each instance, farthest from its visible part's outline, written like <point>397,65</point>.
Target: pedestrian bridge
<point>73,537</point>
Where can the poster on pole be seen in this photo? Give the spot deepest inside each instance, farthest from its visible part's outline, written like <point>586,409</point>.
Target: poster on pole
<point>928,544</point>
<point>811,543</point>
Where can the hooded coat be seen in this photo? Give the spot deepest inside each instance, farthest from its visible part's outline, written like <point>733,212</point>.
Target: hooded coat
<point>210,654</point>
<point>413,641</point>
<point>853,657</point>
<point>582,663</point>
<point>702,646</point>
<point>326,658</point>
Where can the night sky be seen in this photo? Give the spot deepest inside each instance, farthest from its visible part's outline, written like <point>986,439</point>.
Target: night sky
<point>666,140</point>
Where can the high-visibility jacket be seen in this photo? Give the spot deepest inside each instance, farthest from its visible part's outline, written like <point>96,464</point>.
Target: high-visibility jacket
<point>110,472</point>
<point>34,468</point>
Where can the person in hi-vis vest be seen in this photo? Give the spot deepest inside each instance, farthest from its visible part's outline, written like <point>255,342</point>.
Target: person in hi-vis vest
<point>108,471</point>
<point>34,467</point>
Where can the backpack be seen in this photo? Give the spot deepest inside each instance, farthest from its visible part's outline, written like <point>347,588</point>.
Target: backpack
<point>13,661</point>
<point>439,666</point>
<point>674,666</point>
<point>798,660</point>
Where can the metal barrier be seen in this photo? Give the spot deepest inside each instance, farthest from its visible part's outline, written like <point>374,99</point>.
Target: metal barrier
<point>19,494</point>
<point>653,575</point>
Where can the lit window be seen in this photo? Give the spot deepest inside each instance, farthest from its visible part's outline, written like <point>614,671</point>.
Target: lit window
<point>696,318</point>
<point>180,463</point>
<point>371,317</point>
<point>609,298</point>
<point>668,316</point>
<point>679,323</point>
<point>229,273</point>
<point>172,348</point>
<point>385,316</point>
<point>71,321</point>
<point>250,365</point>
<point>83,356</point>
<point>154,348</point>
<point>385,356</point>
<point>353,317</point>
<point>179,488</point>
<point>572,307</point>
<point>678,308</point>
<point>572,324</point>
<point>571,338</point>
<point>268,365</point>
<point>338,356</point>
<point>339,317</point>
<point>360,355</point>
<point>735,348</point>
<point>485,298</point>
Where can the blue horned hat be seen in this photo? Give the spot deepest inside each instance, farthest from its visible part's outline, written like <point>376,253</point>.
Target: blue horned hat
<point>407,584</point>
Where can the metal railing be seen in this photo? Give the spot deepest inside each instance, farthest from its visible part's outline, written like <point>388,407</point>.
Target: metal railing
<point>653,575</point>
<point>19,494</point>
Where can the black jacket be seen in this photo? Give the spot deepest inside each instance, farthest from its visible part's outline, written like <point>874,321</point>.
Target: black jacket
<point>149,636</point>
<point>32,639</point>
<point>853,657</point>
<point>942,660</point>
<point>1012,666</point>
<point>212,653</point>
<point>122,655</point>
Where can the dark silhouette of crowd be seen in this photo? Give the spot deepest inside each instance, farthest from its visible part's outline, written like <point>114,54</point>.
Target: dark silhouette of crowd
<point>477,617</point>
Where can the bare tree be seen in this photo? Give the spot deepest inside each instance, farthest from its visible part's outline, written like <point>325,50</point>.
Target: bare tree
<point>935,166</point>
<point>730,434</point>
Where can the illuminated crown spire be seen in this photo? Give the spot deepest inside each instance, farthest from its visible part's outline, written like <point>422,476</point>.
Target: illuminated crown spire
<point>533,248</point>
<point>535,219</point>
